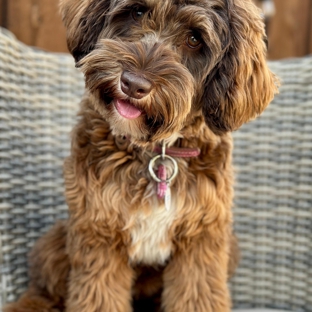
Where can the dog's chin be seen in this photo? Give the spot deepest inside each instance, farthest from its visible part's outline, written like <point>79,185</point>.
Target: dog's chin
<point>129,119</point>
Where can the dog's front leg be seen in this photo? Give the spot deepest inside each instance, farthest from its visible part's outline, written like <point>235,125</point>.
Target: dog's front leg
<point>196,278</point>
<point>100,279</point>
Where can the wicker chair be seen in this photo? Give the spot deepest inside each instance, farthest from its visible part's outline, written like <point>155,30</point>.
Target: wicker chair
<point>39,95</point>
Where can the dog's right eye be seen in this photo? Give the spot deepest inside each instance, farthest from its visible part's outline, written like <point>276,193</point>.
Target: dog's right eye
<point>138,13</point>
<point>193,40</point>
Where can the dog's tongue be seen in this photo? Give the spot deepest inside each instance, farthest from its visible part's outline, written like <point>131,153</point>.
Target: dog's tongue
<point>127,110</point>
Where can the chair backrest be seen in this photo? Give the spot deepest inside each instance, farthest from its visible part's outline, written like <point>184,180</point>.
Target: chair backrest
<point>39,96</point>
<point>273,203</point>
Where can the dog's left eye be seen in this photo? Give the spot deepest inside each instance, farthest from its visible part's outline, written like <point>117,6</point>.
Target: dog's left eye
<point>138,13</point>
<point>193,40</point>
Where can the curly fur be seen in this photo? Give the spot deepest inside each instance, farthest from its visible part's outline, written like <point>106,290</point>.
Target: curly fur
<point>205,63</point>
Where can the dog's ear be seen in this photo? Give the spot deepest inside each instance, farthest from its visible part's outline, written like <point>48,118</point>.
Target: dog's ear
<point>84,21</point>
<point>241,85</point>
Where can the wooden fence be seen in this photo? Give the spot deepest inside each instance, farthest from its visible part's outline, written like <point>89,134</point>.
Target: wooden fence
<point>34,22</point>
<point>38,23</point>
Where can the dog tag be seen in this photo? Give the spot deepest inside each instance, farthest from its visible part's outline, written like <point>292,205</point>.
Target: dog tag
<point>168,198</point>
<point>162,176</point>
<point>163,182</point>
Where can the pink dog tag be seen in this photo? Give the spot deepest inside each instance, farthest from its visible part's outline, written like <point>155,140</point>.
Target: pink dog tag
<point>163,183</point>
<point>161,186</point>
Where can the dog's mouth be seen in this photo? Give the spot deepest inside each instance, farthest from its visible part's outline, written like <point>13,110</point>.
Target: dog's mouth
<point>136,120</point>
<point>126,109</point>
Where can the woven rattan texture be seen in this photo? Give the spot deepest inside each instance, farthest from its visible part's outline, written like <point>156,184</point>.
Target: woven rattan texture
<point>39,93</point>
<point>273,206</point>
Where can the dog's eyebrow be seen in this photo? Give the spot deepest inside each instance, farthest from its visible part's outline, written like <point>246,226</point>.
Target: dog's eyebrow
<point>227,4</point>
<point>180,2</point>
<point>135,2</point>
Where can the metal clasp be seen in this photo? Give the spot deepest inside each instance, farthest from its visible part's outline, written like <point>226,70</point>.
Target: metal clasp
<point>163,156</point>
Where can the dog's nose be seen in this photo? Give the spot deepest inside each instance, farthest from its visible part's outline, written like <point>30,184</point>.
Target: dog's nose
<point>135,86</point>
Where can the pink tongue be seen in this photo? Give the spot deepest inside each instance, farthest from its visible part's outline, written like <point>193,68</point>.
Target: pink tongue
<point>127,110</point>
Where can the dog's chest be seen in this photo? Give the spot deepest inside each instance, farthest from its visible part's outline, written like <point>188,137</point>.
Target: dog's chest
<point>151,242</point>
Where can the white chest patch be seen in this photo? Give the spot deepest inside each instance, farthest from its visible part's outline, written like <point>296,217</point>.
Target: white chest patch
<point>149,233</point>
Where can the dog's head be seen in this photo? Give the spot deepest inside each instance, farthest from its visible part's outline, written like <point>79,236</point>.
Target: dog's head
<point>151,66</point>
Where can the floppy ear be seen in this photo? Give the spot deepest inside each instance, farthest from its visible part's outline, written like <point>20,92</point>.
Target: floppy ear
<point>84,20</point>
<point>241,85</point>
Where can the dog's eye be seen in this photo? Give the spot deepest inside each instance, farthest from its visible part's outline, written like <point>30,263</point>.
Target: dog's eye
<point>193,40</point>
<point>138,13</point>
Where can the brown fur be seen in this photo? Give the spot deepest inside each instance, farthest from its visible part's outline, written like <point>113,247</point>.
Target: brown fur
<point>110,250</point>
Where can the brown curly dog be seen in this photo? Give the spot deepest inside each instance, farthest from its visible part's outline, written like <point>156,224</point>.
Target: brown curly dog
<point>149,179</point>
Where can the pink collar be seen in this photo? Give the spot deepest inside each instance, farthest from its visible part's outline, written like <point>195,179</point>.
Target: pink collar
<point>183,152</point>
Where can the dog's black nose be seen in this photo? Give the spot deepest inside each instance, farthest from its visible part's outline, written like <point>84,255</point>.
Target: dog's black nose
<point>135,86</point>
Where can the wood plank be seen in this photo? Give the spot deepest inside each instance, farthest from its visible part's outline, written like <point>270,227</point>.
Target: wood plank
<point>37,23</point>
<point>310,29</point>
<point>288,31</point>
<point>3,13</point>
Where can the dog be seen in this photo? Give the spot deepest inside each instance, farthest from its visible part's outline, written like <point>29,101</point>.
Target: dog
<point>149,182</point>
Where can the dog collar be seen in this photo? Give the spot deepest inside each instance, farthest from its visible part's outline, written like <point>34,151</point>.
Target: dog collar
<point>182,152</point>
<point>160,176</point>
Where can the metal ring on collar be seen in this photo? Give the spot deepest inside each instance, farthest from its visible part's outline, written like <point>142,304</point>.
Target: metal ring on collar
<point>153,174</point>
